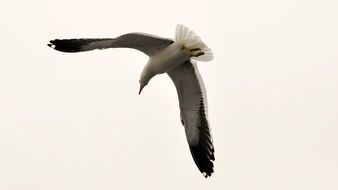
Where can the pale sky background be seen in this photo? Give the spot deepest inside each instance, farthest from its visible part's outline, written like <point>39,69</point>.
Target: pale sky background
<point>76,121</point>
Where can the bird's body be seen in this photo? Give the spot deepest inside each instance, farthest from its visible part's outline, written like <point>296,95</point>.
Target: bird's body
<point>164,61</point>
<point>169,58</point>
<point>176,58</point>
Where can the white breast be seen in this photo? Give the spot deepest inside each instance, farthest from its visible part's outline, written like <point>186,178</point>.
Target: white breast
<point>169,58</point>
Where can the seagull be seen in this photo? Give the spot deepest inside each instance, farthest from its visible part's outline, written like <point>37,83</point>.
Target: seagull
<point>178,59</point>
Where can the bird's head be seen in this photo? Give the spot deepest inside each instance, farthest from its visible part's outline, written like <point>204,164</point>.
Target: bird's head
<point>146,76</point>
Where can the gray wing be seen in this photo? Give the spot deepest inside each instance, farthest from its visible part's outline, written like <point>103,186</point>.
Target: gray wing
<point>192,101</point>
<point>146,43</point>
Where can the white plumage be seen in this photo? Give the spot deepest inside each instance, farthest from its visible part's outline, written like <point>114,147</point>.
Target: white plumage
<point>178,59</point>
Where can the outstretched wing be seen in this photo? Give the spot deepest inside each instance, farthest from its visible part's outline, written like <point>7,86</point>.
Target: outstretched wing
<point>192,100</point>
<point>146,43</point>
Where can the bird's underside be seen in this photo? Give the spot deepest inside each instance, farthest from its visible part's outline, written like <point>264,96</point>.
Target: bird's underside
<point>187,80</point>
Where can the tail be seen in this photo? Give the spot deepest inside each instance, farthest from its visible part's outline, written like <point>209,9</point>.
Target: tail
<point>78,45</point>
<point>192,42</point>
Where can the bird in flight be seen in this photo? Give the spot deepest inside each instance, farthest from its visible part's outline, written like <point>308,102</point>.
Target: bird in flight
<point>178,59</point>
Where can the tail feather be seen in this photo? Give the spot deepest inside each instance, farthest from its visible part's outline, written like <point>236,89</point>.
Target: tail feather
<point>78,45</point>
<point>193,42</point>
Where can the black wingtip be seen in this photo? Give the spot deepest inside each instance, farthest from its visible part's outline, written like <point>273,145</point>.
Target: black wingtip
<point>203,152</point>
<point>203,160</point>
<point>51,45</point>
<point>67,45</point>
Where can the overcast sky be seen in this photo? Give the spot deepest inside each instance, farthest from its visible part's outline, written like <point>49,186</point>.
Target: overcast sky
<point>76,121</point>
